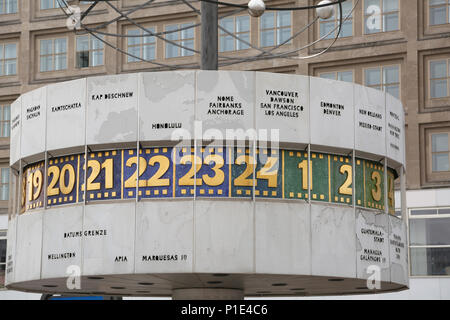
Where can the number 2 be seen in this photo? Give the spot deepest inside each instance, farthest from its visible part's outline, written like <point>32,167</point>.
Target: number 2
<point>345,188</point>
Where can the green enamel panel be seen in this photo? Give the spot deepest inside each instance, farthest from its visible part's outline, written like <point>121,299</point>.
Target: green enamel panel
<point>341,179</point>
<point>320,177</point>
<point>295,179</point>
<point>374,173</point>
<point>359,182</point>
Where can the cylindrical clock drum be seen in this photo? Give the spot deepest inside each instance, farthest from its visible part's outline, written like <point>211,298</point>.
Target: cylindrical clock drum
<point>207,184</point>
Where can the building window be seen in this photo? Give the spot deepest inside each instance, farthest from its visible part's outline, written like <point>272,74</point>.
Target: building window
<point>275,28</point>
<point>439,11</point>
<point>5,120</point>
<point>2,257</point>
<point>51,4</point>
<point>430,242</point>
<point>183,37</point>
<point>142,46</point>
<point>339,75</point>
<point>89,51</point>
<point>8,6</point>
<point>326,25</point>
<point>385,78</point>
<point>53,54</point>
<point>440,78</point>
<point>4,184</point>
<point>381,16</point>
<point>440,152</point>
<point>8,59</point>
<point>240,27</point>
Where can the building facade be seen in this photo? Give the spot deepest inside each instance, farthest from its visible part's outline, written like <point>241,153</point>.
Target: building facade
<point>398,46</point>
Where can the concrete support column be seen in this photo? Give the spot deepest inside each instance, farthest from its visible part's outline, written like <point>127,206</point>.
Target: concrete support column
<point>208,294</point>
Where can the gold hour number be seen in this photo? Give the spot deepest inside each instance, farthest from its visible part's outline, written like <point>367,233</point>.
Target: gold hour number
<point>37,184</point>
<point>34,183</point>
<point>391,196</point>
<point>55,174</point>
<point>155,180</point>
<point>188,178</point>
<point>30,186</point>
<point>376,192</point>
<point>131,181</point>
<point>219,175</point>
<point>243,180</point>
<point>304,167</point>
<point>268,173</point>
<point>67,188</point>
<point>216,180</point>
<point>107,165</point>
<point>53,171</point>
<point>345,189</point>
<point>91,185</point>
<point>24,190</point>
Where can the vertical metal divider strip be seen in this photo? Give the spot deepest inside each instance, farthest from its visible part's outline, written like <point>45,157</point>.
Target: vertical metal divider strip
<point>354,197</point>
<point>20,202</point>
<point>13,191</point>
<point>386,208</point>
<point>308,203</point>
<point>84,168</point>
<point>405,216</point>
<point>195,164</point>
<point>20,191</point>
<point>140,80</point>
<point>386,186</point>
<point>354,179</point>
<point>45,200</point>
<point>255,139</point>
<point>385,158</point>
<point>44,186</point>
<point>175,178</point>
<point>309,173</point>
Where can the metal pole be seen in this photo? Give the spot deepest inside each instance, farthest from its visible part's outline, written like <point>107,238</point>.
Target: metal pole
<point>209,50</point>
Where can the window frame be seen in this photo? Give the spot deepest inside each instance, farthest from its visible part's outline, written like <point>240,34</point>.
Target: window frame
<point>423,217</point>
<point>52,8</point>
<point>428,176</point>
<point>428,13</point>
<point>3,122</point>
<point>53,55</point>
<point>3,59</point>
<point>178,41</point>
<point>6,184</point>
<point>439,152</point>
<point>141,45</point>
<point>382,14</point>
<point>237,34</point>
<point>275,29</point>
<point>336,22</point>
<point>3,5</point>
<point>90,37</point>
<point>336,72</point>
<point>447,60</point>
<point>383,85</point>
